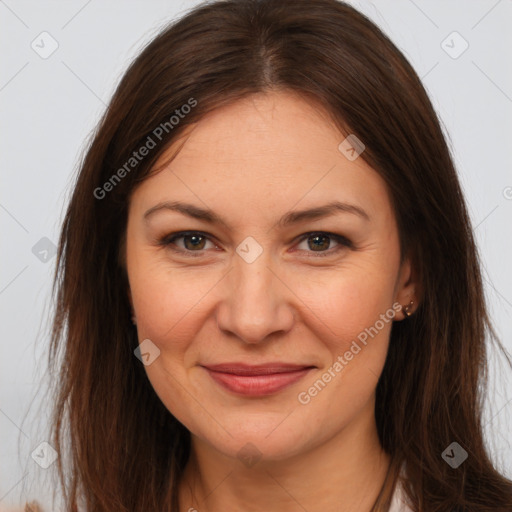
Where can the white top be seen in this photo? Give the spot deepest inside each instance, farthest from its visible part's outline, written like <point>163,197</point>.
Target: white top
<point>398,503</point>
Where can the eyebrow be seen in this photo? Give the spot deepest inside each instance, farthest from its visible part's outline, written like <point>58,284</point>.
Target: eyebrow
<point>293,217</point>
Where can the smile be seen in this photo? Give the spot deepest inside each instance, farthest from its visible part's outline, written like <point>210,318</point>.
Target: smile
<point>256,380</point>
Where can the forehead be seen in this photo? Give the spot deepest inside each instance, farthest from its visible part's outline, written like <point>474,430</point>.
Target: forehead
<point>263,153</point>
<point>274,130</point>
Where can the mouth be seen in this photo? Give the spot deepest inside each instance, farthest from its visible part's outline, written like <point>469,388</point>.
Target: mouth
<point>257,380</point>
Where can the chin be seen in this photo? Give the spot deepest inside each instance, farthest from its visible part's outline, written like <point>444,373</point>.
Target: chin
<point>260,439</point>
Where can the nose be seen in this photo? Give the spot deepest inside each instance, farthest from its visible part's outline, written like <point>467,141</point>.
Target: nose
<point>256,302</point>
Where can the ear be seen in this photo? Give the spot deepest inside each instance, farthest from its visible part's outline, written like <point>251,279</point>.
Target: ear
<point>408,288</point>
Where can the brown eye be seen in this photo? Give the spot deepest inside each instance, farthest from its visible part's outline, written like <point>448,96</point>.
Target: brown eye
<point>192,242</point>
<point>319,242</point>
<point>322,243</point>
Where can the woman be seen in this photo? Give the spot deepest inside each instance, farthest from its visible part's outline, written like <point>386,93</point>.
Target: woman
<point>269,295</point>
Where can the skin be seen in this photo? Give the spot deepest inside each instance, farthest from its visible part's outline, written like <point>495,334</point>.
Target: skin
<point>252,162</point>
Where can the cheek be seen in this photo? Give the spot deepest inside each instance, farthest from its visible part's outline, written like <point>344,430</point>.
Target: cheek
<point>348,300</point>
<point>353,313</point>
<point>357,353</point>
<point>169,302</point>
<point>170,313</point>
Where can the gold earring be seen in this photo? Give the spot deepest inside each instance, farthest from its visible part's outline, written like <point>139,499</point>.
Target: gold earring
<point>407,309</point>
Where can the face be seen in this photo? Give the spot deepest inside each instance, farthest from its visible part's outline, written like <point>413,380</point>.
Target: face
<point>298,308</point>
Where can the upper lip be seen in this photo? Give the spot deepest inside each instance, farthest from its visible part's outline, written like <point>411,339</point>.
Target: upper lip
<point>260,369</point>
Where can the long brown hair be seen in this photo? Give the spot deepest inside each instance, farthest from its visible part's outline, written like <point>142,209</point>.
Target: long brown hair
<point>121,449</point>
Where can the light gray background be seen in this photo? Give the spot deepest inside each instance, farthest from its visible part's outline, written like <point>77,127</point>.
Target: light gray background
<point>49,106</point>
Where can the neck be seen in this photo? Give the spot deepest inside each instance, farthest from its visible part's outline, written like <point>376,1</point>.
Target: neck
<point>342,473</point>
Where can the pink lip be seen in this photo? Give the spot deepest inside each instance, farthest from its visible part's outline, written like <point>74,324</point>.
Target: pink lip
<point>256,380</point>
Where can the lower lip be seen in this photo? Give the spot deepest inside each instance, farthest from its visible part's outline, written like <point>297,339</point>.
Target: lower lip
<point>257,385</point>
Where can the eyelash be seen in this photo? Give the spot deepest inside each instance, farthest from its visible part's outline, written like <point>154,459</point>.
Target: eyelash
<point>169,240</point>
